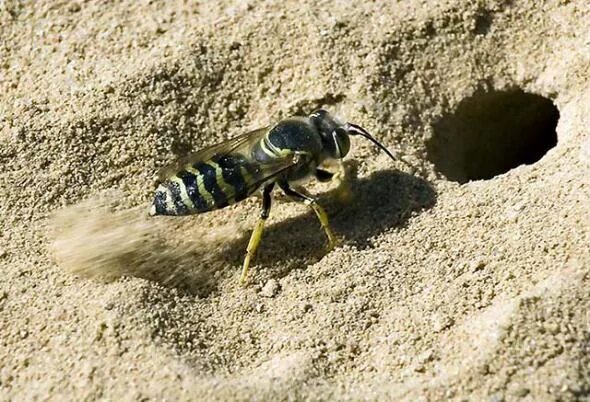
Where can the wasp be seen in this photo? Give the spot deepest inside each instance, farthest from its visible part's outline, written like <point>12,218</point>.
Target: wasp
<point>228,172</point>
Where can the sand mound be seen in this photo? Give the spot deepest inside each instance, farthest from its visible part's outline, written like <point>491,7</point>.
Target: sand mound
<point>467,279</point>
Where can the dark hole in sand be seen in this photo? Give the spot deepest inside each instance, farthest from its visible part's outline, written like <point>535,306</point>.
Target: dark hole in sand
<point>491,133</point>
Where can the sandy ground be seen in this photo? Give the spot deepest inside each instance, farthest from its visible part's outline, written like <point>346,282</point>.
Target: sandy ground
<point>442,288</point>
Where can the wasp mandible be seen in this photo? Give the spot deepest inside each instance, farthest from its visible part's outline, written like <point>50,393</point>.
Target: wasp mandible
<point>226,173</point>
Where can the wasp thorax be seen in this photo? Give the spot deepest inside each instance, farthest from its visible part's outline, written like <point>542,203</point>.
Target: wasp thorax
<point>333,132</point>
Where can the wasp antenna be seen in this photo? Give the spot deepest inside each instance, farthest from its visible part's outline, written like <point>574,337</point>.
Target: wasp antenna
<point>358,130</point>
<point>354,129</point>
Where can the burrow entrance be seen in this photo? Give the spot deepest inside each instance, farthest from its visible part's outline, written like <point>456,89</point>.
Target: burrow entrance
<point>491,133</point>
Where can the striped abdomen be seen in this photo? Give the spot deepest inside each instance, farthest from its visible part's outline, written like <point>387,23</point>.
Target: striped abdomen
<point>205,186</point>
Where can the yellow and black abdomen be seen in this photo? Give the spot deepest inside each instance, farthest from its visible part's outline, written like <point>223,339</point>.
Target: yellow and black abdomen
<point>204,186</point>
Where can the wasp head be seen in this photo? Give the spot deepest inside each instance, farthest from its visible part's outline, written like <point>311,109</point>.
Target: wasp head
<point>335,134</point>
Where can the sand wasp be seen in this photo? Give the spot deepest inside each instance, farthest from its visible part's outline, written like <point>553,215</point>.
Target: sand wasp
<point>226,173</point>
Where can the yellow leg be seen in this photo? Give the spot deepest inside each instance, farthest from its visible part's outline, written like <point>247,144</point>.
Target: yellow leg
<point>251,249</point>
<point>319,211</point>
<point>342,191</point>
<point>256,235</point>
<point>323,218</point>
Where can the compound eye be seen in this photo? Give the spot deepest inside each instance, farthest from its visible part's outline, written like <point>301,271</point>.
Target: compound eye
<point>342,142</point>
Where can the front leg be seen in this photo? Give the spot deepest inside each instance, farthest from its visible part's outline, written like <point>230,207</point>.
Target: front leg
<point>323,175</point>
<point>342,190</point>
<point>319,211</point>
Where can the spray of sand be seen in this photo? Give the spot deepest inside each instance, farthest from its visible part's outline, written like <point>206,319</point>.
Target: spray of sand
<point>94,239</point>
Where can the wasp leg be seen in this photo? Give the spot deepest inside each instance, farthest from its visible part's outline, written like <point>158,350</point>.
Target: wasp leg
<point>319,211</point>
<point>257,232</point>
<point>323,175</point>
<point>342,190</point>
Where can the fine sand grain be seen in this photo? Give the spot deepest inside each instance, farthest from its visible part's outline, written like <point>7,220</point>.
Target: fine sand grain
<point>443,286</point>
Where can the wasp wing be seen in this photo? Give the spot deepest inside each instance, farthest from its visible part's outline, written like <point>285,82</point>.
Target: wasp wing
<point>239,144</point>
<point>229,170</point>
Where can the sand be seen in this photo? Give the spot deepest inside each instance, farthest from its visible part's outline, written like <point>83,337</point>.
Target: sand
<point>443,286</point>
